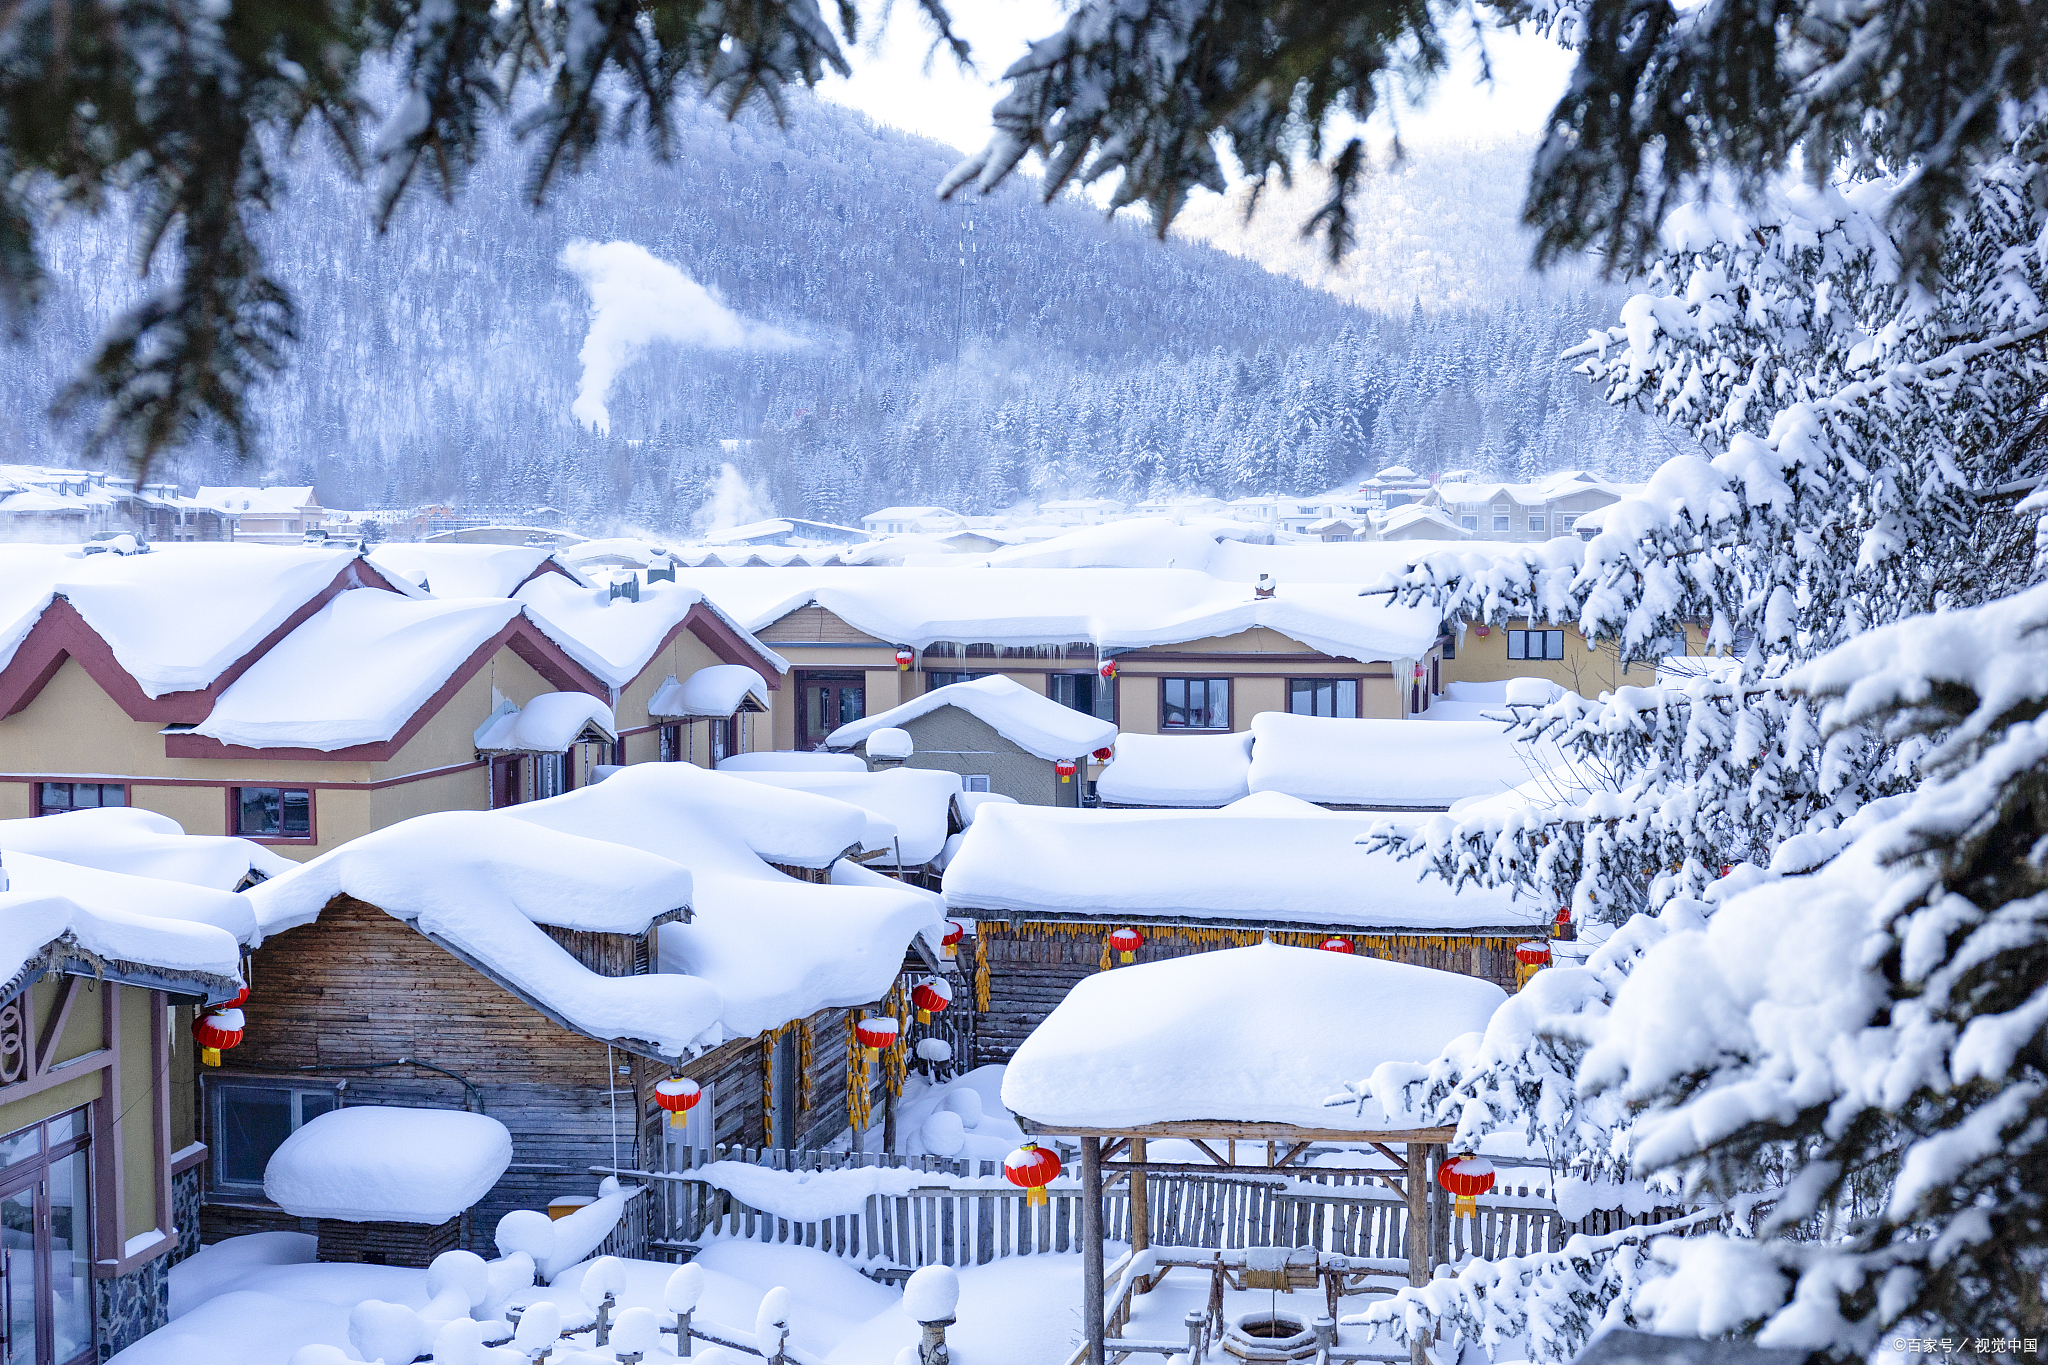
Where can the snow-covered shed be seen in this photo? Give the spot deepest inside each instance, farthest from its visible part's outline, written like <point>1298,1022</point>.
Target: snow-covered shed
<point>910,810</point>
<point>1046,888</point>
<point>647,922</point>
<point>997,734</point>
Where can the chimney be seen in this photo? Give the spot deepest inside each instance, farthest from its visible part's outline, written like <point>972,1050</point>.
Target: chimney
<point>1267,585</point>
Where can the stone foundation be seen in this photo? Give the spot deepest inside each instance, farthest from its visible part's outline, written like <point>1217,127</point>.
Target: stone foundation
<point>130,1307</point>
<point>187,1193</point>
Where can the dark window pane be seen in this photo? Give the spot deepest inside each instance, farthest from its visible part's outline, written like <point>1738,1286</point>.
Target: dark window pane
<point>253,1123</point>
<point>298,813</point>
<point>113,794</point>
<point>1218,698</point>
<point>85,795</point>
<point>852,704</point>
<point>1553,644</point>
<point>1347,698</point>
<point>314,1103</point>
<point>1518,644</point>
<point>56,797</point>
<point>258,811</point>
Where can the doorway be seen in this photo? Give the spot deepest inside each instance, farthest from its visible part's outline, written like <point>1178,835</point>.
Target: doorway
<point>45,1243</point>
<point>830,701</point>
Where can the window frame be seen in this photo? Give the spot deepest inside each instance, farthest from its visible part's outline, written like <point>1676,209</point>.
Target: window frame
<point>218,1147</point>
<point>1520,639</point>
<point>72,791</point>
<point>1098,686</point>
<point>1335,682</point>
<point>1229,701</point>
<point>312,834</point>
<point>1537,523</point>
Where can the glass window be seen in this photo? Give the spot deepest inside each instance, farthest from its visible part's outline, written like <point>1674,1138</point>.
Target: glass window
<point>18,1246</point>
<point>975,782</point>
<point>1194,704</point>
<point>55,798</point>
<point>1088,693</point>
<point>274,812</point>
<point>71,1255</point>
<point>1536,524</point>
<point>853,704</point>
<point>1535,644</point>
<point>1334,697</point>
<point>547,776</point>
<point>934,681</point>
<point>250,1122</point>
<point>1470,523</point>
<point>1500,522</point>
<point>671,744</point>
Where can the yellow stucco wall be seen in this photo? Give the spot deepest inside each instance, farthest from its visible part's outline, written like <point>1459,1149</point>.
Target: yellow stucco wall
<point>1587,671</point>
<point>138,1139</point>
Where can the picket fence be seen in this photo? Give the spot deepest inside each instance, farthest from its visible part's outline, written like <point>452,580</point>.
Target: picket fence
<point>967,1215</point>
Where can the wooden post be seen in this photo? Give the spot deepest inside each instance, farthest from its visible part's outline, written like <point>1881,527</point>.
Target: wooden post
<point>1418,1234</point>
<point>1141,1211</point>
<point>1091,1247</point>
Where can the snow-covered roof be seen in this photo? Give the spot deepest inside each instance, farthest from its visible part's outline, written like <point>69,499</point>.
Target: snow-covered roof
<point>1386,763</point>
<point>355,672</point>
<point>715,691</point>
<point>142,843</point>
<point>547,724</point>
<point>907,513</point>
<point>1114,608</point>
<point>262,501</point>
<point>1422,522</point>
<point>787,762</point>
<point>374,1163</point>
<point>455,570</point>
<point>1030,720</point>
<point>615,637</point>
<point>1266,859</point>
<point>1177,770</point>
<point>1253,1035</point>
<point>113,925</point>
<point>915,801</point>
<point>174,619</point>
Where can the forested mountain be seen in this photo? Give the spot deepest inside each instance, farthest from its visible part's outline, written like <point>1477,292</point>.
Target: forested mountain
<point>961,354</point>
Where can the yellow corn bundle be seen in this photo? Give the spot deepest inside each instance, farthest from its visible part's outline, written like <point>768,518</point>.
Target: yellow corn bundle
<point>858,1109</point>
<point>981,970</point>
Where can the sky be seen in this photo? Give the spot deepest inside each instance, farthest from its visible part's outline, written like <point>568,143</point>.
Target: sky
<point>893,82</point>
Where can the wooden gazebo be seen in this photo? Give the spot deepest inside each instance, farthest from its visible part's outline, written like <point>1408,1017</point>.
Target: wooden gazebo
<point>1223,1048</point>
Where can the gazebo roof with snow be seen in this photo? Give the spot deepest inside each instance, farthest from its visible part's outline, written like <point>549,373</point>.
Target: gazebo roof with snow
<point>1242,1042</point>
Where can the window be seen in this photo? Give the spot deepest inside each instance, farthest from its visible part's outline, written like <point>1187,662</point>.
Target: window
<point>54,798</point>
<point>548,776</point>
<point>1500,521</point>
<point>250,1121</point>
<point>1470,523</point>
<point>976,782</point>
<point>1088,693</point>
<point>1194,704</point>
<point>273,812</point>
<point>1536,523</point>
<point>934,681</point>
<point>671,744</point>
<point>1535,644</point>
<point>46,1223</point>
<point>1323,697</point>
<point>1566,520</point>
<point>723,739</point>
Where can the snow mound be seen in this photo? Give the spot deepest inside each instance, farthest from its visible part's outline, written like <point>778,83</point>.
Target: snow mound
<point>917,801</point>
<point>548,724</point>
<point>1386,763</point>
<point>460,570</point>
<point>792,763</point>
<point>1177,770</point>
<point>715,692</point>
<point>387,1164</point>
<point>1033,722</point>
<point>142,843</point>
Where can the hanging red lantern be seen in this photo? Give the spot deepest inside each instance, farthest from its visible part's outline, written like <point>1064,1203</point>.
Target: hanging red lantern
<point>1726,868</point>
<point>1337,945</point>
<point>1126,942</point>
<point>1466,1177</point>
<point>950,943</point>
<point>216,1031</point>
<point>1108,670</point>
<point>904,658</point>
<point>1482,631</point>
<point>1104,754</point>
<point>876,1032</point>
<point>678,1095</point>
<point>931,997</point>
<point>241,998</point>
<point>1066,768</point>
<point>1534,953</point>
<point>1031,1168</point>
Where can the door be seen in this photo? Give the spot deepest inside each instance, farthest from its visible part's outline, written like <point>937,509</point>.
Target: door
<point>830,701</point>
<point>45,1252</point>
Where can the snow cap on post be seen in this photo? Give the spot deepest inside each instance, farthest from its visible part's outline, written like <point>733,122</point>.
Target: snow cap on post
<point>771,1323</point>
<point>606,1276</point>
<point>932,1294</point>
<point>934,1050</point>
<point>683,1289</point>
<point>540,1326</point>
<point>638,1329</point>
<point>891,743</point>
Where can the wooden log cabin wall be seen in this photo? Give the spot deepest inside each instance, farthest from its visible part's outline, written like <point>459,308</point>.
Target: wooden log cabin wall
<point>1022,970</point>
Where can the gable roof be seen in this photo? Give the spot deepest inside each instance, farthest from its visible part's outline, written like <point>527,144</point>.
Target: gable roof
<point>617,638</point>
<point>260,501</point>
<point>457,570</point>
<point>1033,722</point>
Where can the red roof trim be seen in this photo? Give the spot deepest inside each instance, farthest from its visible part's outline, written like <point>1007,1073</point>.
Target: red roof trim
<point>547,565</point>
<point>520,635</point>
<point>721,639</point>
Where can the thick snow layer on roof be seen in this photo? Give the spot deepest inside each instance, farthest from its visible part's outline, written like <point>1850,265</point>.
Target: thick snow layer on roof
<point>460,570</point>
<point>33,915</point>
<point>1393,763</point>
<point>547,724</point>
<point>122,893</point>
<point>176,618</point>
<point>1429,519</point>
<point>143,844</point>
<point>354,673</point>
<point>792,763</point>
<point>775,948</point>
<point>1030,720</point>
<point>269,501</point>
<point>614,637</point>
<point>1256,1035</point>
<point>483,883</point>
<point>916,801</point>
<point>1177,770</point>
<point>1244,862</point>
<point>715,691</point>
<point>376,1163</point>
<point>1114,608</point>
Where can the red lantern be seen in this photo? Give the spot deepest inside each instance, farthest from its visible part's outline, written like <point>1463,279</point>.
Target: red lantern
<point>950,943</point>
<point>1534,953</point>
<point>1108,670</point>
<point>1031,1168</point>
<point>1482,631</point>
<point>241,998</point>
<point>904,658</point>
<point>1126,942</point>
<point>1337,945</point>
<point>216,1031</point>
<point>876,1032</point>
<point>1104,754</point>
<point>678,1095</point>
<point>1066,768</point>
<point>931,997</point>
<point>1466,1177</point>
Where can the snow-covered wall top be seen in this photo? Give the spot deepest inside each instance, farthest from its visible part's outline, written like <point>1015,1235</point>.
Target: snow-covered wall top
<point>1253,1034</point>
<point>1268,858</point>
<point>1387,762</point>
<point>1030,720</point>
<point>174,618</point>
<point>143,844</point>
<point>93,914</point>
<point>616,638</point>
<point>1177,770</point>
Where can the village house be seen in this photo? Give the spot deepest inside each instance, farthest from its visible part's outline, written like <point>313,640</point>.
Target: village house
<point>266,516</point>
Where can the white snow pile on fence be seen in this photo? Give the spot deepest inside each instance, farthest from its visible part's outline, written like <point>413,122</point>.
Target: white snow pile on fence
<point>1268,858</point>
<point>1177,770</point>
<point>807,1196</point>
<point>556,1244</point>
<point>142,843</point>
<point>917,801</point>
<point>714,692</point>
<point>547,724</point>
<point>616,638</point>
<point>175,618</point>
<point>1387,763</point>
<point>1255,1034</point>
<point>792,763</point>
<point>460,570</point>
<point>1030,720</point>
<point>354,673</point>
<point>388,1164</point>
<point>32,919</point>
